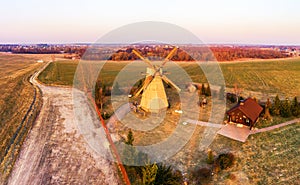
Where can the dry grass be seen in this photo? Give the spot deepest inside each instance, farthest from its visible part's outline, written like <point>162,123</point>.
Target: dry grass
<point>16,95</point>
<point>266,158</point>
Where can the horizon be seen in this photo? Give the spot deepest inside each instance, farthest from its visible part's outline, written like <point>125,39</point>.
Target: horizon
<point>107,44</point>
<point>215,22</point>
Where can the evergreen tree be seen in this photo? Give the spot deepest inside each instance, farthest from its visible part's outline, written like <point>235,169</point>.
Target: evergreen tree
<point>130,138</point>
<point>149,174</point>
<point>267,114</point>
<point>129,153</point>
<point>276,106</point>
<point>165,175</point>
<point>207,91</point>
<point>285,110</point>
<point>210,157</point>
<point>295,107</point>
<point>202,89</point>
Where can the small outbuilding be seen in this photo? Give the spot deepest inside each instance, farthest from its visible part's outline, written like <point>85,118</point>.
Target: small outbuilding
<point>191,88</point>
<point>246,112</point>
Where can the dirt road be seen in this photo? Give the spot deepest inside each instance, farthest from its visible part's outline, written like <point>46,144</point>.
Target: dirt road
<point>55,151</point>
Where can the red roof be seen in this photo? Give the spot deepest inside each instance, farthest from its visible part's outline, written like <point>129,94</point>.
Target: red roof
<point>249,107</point>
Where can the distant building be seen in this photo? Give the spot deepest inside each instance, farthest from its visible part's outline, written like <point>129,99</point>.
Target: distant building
<point>246,112</point>
<point>72,56</point>
<point>39,61</point>
<point>191,88</point>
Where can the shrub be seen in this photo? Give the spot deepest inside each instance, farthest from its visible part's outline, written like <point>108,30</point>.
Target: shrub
<point>166,175</point>
<point>106,115</point>
<point>225,160</point>
<point>202,175</point>
<point>231,97</point>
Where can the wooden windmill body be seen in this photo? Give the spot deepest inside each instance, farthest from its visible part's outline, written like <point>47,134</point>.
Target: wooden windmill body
<point>154,98</point>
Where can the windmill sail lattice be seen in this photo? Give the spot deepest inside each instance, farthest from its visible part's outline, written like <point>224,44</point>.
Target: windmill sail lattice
<point>154,98</point>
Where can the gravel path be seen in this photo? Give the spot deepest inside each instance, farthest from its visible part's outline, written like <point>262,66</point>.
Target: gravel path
<point>55,151</point>
<point>240,134</point>
<point>275,126</point>
<point>205,124</point>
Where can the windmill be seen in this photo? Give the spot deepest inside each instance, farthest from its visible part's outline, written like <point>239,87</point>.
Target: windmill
<point>154,97</point>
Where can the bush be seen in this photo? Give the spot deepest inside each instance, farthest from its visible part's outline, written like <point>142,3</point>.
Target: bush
<point>202,175</point>
<point>225,161</point>
<point>106,115</point>
<point>231,97</point>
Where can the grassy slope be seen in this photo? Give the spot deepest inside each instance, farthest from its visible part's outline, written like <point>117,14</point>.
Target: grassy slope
<point>16,95</point>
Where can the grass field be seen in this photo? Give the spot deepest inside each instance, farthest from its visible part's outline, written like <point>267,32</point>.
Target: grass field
<point>260,79</point>
<point>16,96</point>
<point>265,158</point>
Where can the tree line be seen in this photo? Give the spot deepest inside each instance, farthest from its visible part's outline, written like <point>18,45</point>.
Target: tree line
<point>155,52</point>
<point>284,108</point>
<point>199,54</point>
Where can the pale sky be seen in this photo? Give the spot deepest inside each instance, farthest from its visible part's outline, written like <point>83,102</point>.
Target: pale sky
<point>213,21</point>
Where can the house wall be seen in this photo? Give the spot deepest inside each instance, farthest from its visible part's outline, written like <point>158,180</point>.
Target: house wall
<point>239,117</point>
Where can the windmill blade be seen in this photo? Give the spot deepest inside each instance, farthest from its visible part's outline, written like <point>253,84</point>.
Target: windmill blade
<point>143,58</point>
<point>168,81</point>
<point>145,85</point>
<point>169,56</point>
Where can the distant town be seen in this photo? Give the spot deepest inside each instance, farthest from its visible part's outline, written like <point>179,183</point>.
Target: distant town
<point>225,52</point>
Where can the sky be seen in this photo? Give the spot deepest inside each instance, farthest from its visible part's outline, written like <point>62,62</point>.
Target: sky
<point>212,21</point>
